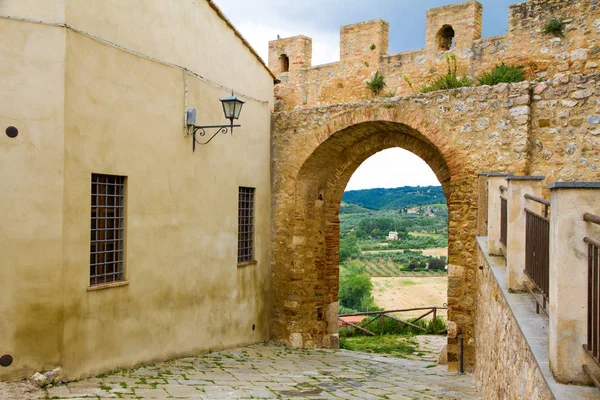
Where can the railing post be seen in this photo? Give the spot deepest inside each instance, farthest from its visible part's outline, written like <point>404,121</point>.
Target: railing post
<point>569,276</point>
<point>493,221</point>
<point>518,186</point>
<point>482,203</point>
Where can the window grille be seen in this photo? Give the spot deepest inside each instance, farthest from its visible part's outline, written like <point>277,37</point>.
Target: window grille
<point>246,225</point>
<point>107,229</point>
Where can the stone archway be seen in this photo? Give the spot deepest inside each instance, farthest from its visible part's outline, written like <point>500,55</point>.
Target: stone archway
<point>315,152</point>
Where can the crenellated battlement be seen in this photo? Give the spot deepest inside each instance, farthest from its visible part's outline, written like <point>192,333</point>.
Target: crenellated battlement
<point>454,26</point>
<point>450,30</point>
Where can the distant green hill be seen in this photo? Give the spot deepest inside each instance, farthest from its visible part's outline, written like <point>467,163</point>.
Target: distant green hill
<point>385,199</point>
<point>347,208</point>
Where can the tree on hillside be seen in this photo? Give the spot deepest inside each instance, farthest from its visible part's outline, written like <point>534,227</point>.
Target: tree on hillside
<point>437,263</point>
<point>349,247</point>
<point>355,289</point>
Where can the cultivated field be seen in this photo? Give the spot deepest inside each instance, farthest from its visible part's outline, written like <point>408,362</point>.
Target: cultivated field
<point>408,292</point>
<point>438,251</point>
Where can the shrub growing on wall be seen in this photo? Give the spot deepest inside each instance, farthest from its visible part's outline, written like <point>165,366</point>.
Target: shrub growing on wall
<point>377,83</point>
<point>502,73</point>
<point>555,28</point>
<point>448,81</point>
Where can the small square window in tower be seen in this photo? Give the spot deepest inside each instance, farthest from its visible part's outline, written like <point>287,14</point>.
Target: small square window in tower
<point>107,235</point>
<point>245,225</point>
<point>445,38</point>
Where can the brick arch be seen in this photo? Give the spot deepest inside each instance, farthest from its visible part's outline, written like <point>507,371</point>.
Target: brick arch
<point>318,164</point>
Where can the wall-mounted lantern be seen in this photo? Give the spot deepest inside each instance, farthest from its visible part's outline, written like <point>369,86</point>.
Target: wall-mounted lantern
<point>232,106</point>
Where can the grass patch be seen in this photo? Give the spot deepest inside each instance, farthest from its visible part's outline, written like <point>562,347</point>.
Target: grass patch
<point>393,345</point>
<point>106,388</point>
<point>407,282</point>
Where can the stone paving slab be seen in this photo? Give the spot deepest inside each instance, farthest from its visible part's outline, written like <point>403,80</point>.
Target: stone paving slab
<point>268,371</point>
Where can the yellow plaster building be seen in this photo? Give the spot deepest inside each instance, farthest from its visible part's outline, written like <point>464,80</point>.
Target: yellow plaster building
<point>118,244</point>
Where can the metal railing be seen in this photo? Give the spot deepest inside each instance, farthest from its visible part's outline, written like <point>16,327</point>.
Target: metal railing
<point>593,303</point>
<point>544,202</point>
<point>537,251</point>
<point>503,216</point>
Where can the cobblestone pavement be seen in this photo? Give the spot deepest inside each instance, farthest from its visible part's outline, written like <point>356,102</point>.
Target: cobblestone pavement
<point>267,371</point>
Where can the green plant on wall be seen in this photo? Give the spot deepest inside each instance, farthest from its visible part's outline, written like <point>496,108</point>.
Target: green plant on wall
<point>449,80</point>
<point>373,47</point>
<point>555,28</point>
<point>502,73</point>
<point>377,83</point>
<point>410,85</point>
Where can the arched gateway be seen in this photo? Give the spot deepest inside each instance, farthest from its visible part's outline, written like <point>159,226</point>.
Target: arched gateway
<point>316,151</point>
<point>324,128</point>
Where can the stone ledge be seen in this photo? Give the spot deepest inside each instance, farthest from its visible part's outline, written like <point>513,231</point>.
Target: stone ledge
<point>495,174</point>
<point>524,178</point>
<point>534,327</point>
<point>574,185</point>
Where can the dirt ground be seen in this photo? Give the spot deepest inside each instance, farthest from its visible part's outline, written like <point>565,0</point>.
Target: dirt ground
<point>438,252</point>
<point>409,292</point>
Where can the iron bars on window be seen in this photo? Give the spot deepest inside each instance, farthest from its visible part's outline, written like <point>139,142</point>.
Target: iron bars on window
<point>246,225</point>
<point>107,229</point>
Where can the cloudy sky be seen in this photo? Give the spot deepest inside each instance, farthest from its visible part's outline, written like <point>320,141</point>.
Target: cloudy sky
<point>262,20</point>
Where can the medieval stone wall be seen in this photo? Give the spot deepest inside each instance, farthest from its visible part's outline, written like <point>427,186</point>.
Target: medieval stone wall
<point>548,128</point>
<point>364,50</point>
<point>327,123</point>
<point>565,128</point>
<point>506,367</point>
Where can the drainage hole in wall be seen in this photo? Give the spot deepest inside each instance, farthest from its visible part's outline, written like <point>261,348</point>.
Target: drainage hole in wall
<point>6,360</point>
<point>12,132</point>
<point>253,327</point>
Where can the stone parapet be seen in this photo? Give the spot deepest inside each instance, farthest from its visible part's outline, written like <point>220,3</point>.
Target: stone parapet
<point>451,30</point>
<point>512,341</point>
<point>518,187</point>
<point>569,277</point>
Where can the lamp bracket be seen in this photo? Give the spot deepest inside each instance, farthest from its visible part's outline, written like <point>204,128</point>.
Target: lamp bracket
<point>201,131</point>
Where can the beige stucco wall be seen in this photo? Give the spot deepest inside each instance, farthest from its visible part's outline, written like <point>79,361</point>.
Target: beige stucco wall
<point>123,114</point>
<point>32,64</point>
<point>186,33</point>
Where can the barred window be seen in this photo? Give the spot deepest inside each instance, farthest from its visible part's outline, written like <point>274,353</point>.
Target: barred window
<point>246,225</point>
<point>107,229</point>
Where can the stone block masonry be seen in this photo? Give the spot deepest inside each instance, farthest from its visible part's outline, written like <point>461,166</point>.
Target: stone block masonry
<point>506,367</point>
<point>451,30</point>
<point>326,123</point>
<point>458,133</point>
